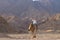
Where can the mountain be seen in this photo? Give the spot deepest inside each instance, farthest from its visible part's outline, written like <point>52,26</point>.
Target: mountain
<point>19,12</point>
<point>4,26</point>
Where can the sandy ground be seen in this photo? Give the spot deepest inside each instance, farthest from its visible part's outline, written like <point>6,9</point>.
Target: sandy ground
<point>27,37</point>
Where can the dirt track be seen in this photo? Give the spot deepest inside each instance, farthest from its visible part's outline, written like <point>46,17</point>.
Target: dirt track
<point>27,37</point>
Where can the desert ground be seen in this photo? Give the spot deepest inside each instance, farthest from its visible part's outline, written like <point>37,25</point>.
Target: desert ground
<point>46,36</point>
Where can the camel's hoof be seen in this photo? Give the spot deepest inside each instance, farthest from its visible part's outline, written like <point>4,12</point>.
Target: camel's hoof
<point>34,36</point>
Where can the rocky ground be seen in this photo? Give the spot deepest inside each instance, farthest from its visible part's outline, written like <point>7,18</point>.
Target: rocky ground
<point>27,37</point>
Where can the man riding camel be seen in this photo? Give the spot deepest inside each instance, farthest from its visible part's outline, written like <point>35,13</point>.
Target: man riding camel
<point>33,28</point>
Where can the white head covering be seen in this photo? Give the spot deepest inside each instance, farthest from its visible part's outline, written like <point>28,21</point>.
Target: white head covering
<point>34,21</point>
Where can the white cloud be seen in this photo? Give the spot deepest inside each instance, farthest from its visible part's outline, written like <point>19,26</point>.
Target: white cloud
<point>35,0</point>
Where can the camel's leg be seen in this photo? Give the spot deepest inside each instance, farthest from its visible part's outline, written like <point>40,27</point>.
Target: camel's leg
<point>34,33</point>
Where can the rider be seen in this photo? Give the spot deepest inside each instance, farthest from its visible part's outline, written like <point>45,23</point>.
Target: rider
<point>34,21</point>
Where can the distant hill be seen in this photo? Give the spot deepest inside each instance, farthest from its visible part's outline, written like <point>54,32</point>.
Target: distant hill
<point>18,13</point>
<point>4,26</point>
